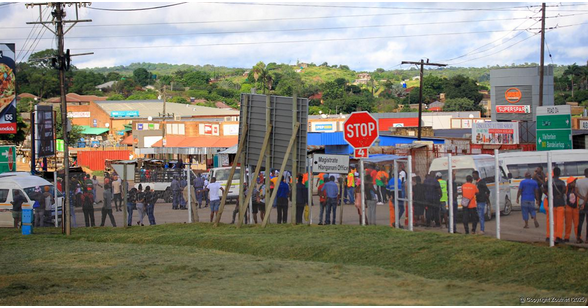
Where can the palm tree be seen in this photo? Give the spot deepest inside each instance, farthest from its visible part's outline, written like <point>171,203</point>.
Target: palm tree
<point>260,71</point>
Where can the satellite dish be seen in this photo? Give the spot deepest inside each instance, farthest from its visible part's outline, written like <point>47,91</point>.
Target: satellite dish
<point>324,116</point>
<point>150,118</point>
<point>107,125</point>
<point>471,116</point>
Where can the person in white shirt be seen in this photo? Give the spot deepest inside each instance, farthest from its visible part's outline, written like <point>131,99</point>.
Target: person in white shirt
<point>214,196</point>
<point>116,185</point>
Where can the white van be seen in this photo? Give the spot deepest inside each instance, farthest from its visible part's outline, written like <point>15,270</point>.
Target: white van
<point>484,164</point>
<point>516,164</point>
<point>222,176</point>
<point>26,184</point>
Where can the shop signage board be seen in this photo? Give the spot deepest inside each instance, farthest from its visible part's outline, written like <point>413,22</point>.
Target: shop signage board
<point>495,133</point>
<point>330,163</point>
<point>554,128</point>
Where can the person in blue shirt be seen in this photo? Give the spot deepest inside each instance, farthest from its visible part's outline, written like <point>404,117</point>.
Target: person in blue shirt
<point>528,189</point>
<point>332,192</point>
<point>282,204</point>
<point>390,187</point>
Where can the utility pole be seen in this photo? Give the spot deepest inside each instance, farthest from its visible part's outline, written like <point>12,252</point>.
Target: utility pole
<point>542,68</point>
<point>422,64</point>
<point>62,63</point>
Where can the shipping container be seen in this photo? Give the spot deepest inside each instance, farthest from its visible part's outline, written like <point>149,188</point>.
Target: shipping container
<point>95,160</point>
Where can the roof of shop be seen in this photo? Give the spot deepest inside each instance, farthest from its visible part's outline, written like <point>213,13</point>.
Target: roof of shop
<point>153,108</point>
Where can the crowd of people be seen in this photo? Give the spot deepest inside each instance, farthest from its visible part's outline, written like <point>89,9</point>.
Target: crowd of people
<point>430,199</point>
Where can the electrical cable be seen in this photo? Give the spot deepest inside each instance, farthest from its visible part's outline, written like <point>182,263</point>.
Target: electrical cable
<point>37,38</point>
<point>136,9</point>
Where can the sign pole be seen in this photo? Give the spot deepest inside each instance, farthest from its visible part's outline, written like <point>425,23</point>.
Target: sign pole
<point>189,187</point>
<point>450,192</point>
<point>408,182</point>
<point>550,198</point>
<point>362,178</point>
<point>497,188</point>
<point>396,212</point>
<point>55,195</point>
<point>125,187</point>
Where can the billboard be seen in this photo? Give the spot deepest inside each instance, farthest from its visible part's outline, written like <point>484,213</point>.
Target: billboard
<point>7,89</point>
<point>495,133</point>
<point>44,131</point>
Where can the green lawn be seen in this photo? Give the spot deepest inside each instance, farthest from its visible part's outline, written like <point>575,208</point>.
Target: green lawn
<point>181,264</point>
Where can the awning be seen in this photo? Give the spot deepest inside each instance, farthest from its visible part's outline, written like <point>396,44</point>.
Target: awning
<point>87,130</point>
<point>197,142</point>
<point>231,150</point>
<point>382,159</point>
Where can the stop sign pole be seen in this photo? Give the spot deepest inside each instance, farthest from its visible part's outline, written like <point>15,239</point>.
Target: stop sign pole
<point>361,130</point>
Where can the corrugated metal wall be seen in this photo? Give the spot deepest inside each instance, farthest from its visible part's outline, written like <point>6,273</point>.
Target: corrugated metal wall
<point>94,160</point>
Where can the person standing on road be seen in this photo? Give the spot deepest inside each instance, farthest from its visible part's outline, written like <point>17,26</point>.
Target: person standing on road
<point>116,191</point>
<point>282,203</point>
<point>381,180</point>
<point>140,205</point>
<point>131,203</point>
<point>482,198</point>
<point>468,202</point>
<point>262,195</point>
<point>582,194</point>
<point>443,201</point>
<point>150,199</point>
<point>183,193</point>
<point>176,193</point>
<point>418,195</point>
<point>107,205</point>
<point>17,201</point>
<point>322,199</point>
<point>571,210</point>
<point>88,207</point>
<point>95,184</point>
<point>301,199</point>
<point>528,190</point>
<point>371,199</point>
<point>433,199</point>
<point>48,200</point>
<point>393,184</point>
<point>198,184</point>
<point>332,193</point>
<point>559,189</point>
<point>351,187</point>
<point>213,196</point>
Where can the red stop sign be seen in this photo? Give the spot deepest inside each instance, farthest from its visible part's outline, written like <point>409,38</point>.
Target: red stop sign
<point>360,130</point>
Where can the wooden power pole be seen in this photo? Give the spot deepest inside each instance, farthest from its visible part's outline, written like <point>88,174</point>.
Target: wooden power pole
<point>62,64</point>
<point>422,64</point>
<point>542,65</point>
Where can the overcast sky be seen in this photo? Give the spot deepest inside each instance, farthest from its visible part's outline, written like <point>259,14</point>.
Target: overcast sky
<point>362,35</point>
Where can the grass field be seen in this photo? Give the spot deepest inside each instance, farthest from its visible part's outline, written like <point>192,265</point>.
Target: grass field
<point>180,264</point>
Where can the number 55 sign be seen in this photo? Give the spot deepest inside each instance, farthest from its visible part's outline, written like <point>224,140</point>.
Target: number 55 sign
<point>361,153</point>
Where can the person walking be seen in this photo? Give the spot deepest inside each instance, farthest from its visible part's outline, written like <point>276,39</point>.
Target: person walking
<point>582,195</point>
<point>559,189</point>
<point>381,180</point>
<point>432,199</point>
<point>95,184</point>
<point>572,215</point>
<point>107,204</point>
<point>482,198</point>
<point>150,199</point>
<point>212,188</point>
<point>332,193</point>
<point>38,206</point>
<point>116,191</point>
<point>282,203</point>
<point>528,190</point>
<point>140,205</point>
<point>262,195</point>
<point>88,207</point>
<point>469,206</point>
<point>131,203</point>
<point>301,199</point>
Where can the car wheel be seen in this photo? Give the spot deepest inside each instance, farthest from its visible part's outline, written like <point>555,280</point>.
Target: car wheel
<point>507,207</point>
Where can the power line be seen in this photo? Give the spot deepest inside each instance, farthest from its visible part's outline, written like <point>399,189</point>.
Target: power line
<point>137,9</point>
<point>368,7</point>
<point>296,41</point>
<point>37,39</point>
<point>293,30</point>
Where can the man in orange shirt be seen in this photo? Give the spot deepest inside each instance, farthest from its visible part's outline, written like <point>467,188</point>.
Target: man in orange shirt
<point>470,213</point>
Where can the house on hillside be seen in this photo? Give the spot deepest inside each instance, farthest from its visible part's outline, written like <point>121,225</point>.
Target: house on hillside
<point>363,78</point>
<point>106,87</point>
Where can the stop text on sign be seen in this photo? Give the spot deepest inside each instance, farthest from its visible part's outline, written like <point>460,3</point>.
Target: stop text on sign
<point>360,129</point>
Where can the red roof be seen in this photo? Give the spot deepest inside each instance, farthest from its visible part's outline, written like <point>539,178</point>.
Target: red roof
<point>128,140</point>
<point>198,142</point>
<point>318,96</point>
<point>74,97</point>
<point>27,95</point>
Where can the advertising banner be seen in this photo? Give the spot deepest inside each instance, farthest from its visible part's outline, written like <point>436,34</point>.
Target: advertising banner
<point>7,89</point>
<point>495,133</point>
<point>324,126</point>
<point>78,114</point>
<point>44,131</point>
<point>209,129</point>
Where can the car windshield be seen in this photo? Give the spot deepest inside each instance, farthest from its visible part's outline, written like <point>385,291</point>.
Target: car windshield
<point>30,191</point>
<point>460,175</point>
<point>223,174</point>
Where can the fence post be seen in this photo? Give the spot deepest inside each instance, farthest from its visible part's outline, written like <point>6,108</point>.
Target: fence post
<point>550,198</point>
<point>497,188</point>
<point>450,193</point>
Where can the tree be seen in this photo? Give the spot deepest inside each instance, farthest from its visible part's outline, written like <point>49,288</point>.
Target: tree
<point>37,76</point>
<point>261,73</point>
<point>74,134</point>
<point>573,71</point>
<point>196,79</point>
<point>85,82</point>
<point>20,135</point>
<point>463,87</point>
<point>461,104</point>
<point>113,76</point>
<point>142,76</point>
